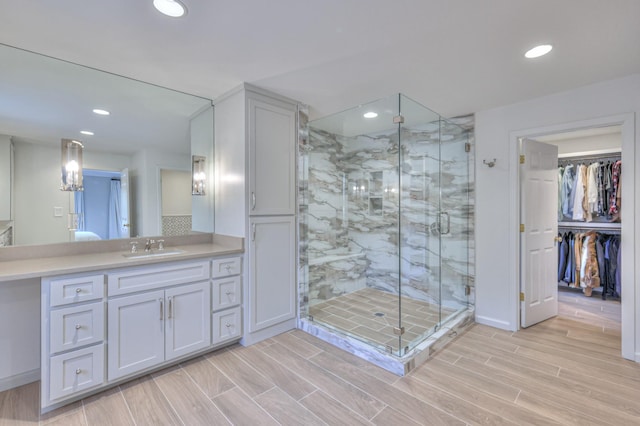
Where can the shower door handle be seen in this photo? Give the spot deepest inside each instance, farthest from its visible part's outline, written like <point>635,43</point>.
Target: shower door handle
<point>442,231</point>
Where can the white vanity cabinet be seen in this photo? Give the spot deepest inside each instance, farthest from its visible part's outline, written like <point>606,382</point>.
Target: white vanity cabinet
<point>152,327</point>
<point>226,296</point>
<point>100,329</point>
<point>72,337</point>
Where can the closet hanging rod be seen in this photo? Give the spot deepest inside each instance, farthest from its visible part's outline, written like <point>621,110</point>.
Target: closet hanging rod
<point>604,229</point>
<point>578,159</point>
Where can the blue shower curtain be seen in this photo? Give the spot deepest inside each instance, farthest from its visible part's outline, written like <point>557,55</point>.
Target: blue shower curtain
<point>115,217</point>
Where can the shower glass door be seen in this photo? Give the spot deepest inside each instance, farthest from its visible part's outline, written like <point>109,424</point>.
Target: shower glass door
<point>422,223</point>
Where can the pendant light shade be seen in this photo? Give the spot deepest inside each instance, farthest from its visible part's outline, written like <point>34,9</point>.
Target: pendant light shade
<point>71,178</point>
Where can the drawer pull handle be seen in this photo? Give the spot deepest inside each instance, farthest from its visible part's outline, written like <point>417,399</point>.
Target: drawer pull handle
<point>228,293</point>
<point>170,308</point>
<point>78,290</point>
<point>228,268</point>
<point>228,325</point>
<point>78,326</point>
<point>78,371</point>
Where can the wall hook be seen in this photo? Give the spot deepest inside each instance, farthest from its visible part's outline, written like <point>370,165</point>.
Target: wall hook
<point>489,163</point>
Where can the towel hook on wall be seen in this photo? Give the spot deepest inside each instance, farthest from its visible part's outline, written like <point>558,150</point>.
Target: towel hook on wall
<point>491,163</point>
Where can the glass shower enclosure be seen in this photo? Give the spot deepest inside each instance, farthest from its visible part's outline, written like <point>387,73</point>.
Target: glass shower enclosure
<point>385,219</point>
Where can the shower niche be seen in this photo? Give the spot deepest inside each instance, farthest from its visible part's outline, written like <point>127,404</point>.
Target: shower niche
<point>384,229</point>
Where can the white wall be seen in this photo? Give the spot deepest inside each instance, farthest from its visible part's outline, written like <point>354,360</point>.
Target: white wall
<point>497,194</point>
<point>37,191</point>
<point>5,177</point>
<point>202,206</point>
<point>231,165</point>
<point>19,332</point>
<point>176,192</point>
<point>145,182</point>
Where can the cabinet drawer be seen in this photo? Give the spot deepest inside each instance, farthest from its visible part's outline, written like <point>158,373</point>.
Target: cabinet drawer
<point>152,277</point>
<point>76,371</point>
<point>75,289</point>
<point>226,267</point>
<point>226,325</point>
<point>226,293</point>
<point>76,326</point>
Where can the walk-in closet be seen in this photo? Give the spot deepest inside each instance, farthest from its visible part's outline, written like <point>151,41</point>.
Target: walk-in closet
<point>589,224</point>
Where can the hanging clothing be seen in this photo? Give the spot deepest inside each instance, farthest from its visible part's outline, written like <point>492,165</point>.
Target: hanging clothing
<point>591,196</point>
<point>616,170</point>
<point>560,173</point>
<point>578,197</point>
<point>566,194</point>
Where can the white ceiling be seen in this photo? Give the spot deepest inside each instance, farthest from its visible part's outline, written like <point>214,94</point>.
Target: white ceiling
<point>454,56</point>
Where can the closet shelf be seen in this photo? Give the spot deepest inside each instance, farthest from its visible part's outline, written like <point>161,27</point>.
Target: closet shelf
<point>591,225</point>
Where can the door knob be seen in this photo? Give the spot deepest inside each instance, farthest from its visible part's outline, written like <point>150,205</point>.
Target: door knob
<point>557,239</point>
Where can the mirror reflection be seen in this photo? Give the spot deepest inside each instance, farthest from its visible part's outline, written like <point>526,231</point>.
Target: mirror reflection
<point>136,160</point>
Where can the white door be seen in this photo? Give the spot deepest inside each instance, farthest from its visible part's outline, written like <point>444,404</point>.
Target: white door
<point>538,248</point>
<point>135,333</point>
<point>125,231</point>
<point>272,284</point>
<point>272,139</point>
<point>188,324</point>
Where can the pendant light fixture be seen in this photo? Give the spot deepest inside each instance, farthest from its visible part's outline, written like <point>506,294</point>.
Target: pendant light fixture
<point>199,175</point>
<point>71,177</point>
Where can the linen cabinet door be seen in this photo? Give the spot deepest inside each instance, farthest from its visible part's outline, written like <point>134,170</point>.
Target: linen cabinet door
<point>272,148</point>
<point>272,284</point>
<point>135,333</point>
<point>188,324</point>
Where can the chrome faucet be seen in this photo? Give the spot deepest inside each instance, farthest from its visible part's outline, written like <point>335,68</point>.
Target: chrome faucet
<point>148,245</point>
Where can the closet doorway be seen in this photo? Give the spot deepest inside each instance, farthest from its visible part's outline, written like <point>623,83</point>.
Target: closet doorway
<point>589,278</point>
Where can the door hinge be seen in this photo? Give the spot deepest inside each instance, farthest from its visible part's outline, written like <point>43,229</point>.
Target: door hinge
<point>467,147</point>
<point>398,119</point>
<point>522,227</point>
<point>398,330</point>
<point>522,159</point>
<point>467,290</point>
<point>521,296</point>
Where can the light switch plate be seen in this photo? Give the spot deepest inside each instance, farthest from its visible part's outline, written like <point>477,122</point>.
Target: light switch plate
<point>57,212</point>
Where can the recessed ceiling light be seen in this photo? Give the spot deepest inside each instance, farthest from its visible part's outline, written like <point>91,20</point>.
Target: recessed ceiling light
<point>538,51</point>
<point>370,114</point>
<point>86,132</point>
<point>171,8</point>
<point>101,111</point>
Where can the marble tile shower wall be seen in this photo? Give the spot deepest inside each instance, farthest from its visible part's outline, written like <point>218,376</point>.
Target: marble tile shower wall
<point>349,198</point>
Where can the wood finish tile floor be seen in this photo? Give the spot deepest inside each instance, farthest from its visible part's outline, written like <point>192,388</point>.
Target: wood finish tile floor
<point>564,371</point>
<point>371,315</point>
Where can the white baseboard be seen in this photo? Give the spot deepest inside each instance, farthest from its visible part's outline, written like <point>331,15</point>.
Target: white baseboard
<point>19,379</point>
<point>491,322</point>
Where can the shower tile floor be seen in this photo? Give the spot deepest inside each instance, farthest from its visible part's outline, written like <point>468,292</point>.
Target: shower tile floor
<point>370,314</point>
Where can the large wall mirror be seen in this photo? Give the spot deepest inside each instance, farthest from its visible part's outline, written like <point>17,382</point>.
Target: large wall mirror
<point>137,159</point>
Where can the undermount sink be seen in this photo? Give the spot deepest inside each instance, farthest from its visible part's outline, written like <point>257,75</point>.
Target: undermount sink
<point>153,253</point>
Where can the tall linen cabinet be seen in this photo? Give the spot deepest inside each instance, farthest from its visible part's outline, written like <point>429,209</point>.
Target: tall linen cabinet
<point>255,198</point>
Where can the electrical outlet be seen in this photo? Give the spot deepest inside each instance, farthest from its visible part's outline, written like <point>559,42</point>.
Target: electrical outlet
<point>57,212</point>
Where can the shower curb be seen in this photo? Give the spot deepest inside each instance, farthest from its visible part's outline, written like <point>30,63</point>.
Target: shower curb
<point>396,365</point>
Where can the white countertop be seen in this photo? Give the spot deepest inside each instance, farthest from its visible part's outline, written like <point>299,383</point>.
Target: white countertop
<point>12,270</point>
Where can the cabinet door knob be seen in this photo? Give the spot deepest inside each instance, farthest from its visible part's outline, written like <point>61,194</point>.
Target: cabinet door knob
<point>78,326</point>
<point>78,371</point>
<point>78,290</point>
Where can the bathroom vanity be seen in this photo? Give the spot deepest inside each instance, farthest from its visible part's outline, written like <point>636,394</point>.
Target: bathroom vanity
<point>106,318</point>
